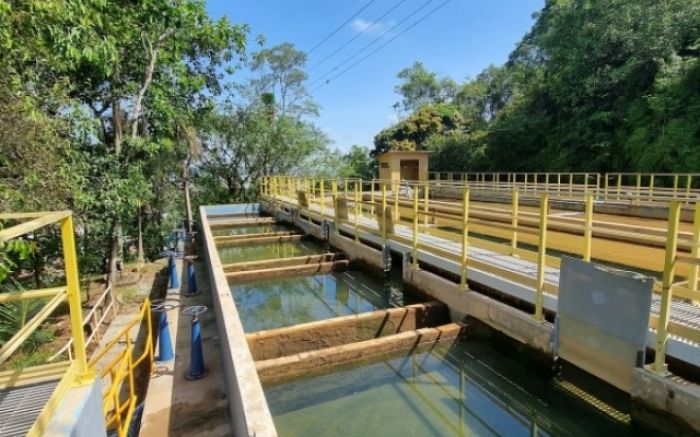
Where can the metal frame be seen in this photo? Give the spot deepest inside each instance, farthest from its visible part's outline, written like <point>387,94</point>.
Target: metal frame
<point>518,227</point>
<point>76,371</point>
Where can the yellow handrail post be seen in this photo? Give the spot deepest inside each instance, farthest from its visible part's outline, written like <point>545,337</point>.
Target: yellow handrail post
<point>465,239</point>
<point>397,214</point>
<point>675,186</point>
<point>674,212</point>
<point>361,197</point>
<point>514,222</point>
<point>334,187</point>
<point>688,185</point>
<point>546,182</point>
<point>336,218</point>
<point>426,206</point>
<point>358,208</point>
<point>639,186</point>
<point>558,185</point>
<point>322,193</point>
<point>384,213</point>
<point>651,188</point>
<point>541,257</point>
<point>597,185</point>
<point>73,294</point>
<point>371,197</point>
<point>695,253</point>
<point>414,260</point>
<point>605,196</point>
<point>588,228</point>
<point>619,185</point>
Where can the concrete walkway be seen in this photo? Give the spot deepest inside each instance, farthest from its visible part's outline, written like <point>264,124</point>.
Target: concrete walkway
<point>175,406</point>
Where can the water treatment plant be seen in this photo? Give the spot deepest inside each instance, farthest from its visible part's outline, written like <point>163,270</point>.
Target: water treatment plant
<point>450,306</point>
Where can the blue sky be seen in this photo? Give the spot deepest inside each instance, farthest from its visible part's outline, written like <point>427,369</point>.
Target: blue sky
<point>458,40</point>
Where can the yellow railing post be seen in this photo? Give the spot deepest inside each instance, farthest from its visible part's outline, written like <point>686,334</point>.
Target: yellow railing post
<point>334,187</point>
<point>597,184</point>
<point>383,213</point>
<point>651,188</point>
<point>558,185</point>
<point>639,187</point>
<point>688,185</point>
<point>73,294</point>
<point>322,193</point>
<point>371,198</point>
<point>426,206</point>
<point>605,196</point>
<point>695,253</point>
<point>675,186</point>
<point>541,257</point>
<point>465,239</point>
<point>588,228</point>
<point>619,185</point>
<point>674,212</point>
<point>415,228</point>
<point>514,222</point>
<point>397,214</point>
<point>358,208</point>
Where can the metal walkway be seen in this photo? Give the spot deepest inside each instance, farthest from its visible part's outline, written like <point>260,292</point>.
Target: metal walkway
<point>682,313</point>
<point>20,406</point>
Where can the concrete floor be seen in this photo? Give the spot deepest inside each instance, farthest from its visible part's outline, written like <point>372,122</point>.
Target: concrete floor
<point>174,405</point>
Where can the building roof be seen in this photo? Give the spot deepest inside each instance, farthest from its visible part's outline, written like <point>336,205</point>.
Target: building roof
<point>404,152</point>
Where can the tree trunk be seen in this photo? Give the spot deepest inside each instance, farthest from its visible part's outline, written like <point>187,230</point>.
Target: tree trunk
<point>186,189</point>
<point>141,258</point>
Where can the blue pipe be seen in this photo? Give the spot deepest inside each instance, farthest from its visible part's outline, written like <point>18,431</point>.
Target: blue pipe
<point>174,281</point>
<point>165,344</point>
<point>196,356</point>
<point>191,280</point>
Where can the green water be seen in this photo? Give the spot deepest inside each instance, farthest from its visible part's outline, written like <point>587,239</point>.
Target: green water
<point>252,229</point>
<point>273,250</point>
<point>301,299</point>
<point>470,388</point>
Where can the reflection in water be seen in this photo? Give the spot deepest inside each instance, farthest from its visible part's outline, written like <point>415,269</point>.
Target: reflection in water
<point>252,229</point>
<point>464,389</point>
<point>260,251</point>
<point>301,299</point>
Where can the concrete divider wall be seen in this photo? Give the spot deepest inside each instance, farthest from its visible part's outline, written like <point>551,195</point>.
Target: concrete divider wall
<point>250,414</point>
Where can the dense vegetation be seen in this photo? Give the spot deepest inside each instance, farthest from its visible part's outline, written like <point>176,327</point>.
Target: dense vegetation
<point>132,113</point>
<point>594,86</point>
<point>118,110</point>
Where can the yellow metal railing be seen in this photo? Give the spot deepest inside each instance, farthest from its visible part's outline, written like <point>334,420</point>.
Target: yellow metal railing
<point>625,187</point>
<point>526,232</point>
<point>71,373</point>
<point>119,393</point>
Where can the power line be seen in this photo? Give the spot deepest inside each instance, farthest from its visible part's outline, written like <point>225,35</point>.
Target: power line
<point>337,29</point>
<point>371,43</point>
<point>348,42</point>
<point>432,11</point>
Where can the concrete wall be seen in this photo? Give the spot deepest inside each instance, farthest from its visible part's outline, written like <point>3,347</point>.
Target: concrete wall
<point>250,414</point>
<point>668,396</point>
<point>79,414</point>
<point>499,316</point>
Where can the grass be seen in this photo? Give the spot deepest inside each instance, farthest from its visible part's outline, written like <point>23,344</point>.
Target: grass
<point>129,294</point>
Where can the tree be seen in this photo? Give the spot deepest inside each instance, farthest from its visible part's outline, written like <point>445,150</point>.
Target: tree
<point>268,131</point>
<point>421,87</point>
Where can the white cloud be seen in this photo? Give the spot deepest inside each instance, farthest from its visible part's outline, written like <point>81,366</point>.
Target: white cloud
<point>360,25</point>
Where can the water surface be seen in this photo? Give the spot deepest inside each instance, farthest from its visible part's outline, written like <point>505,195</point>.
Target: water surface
<point>272,250</point>
<point>300,299</point>
<point>252,229</point>
<point>469,388</point>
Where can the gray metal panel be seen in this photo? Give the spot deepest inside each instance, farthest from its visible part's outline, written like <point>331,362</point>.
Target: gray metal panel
<point>20,406</point>
<point>603,319</point>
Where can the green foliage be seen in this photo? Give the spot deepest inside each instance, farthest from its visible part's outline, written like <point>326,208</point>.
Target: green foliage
<point>14,315</point>
<point>594,86</point>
